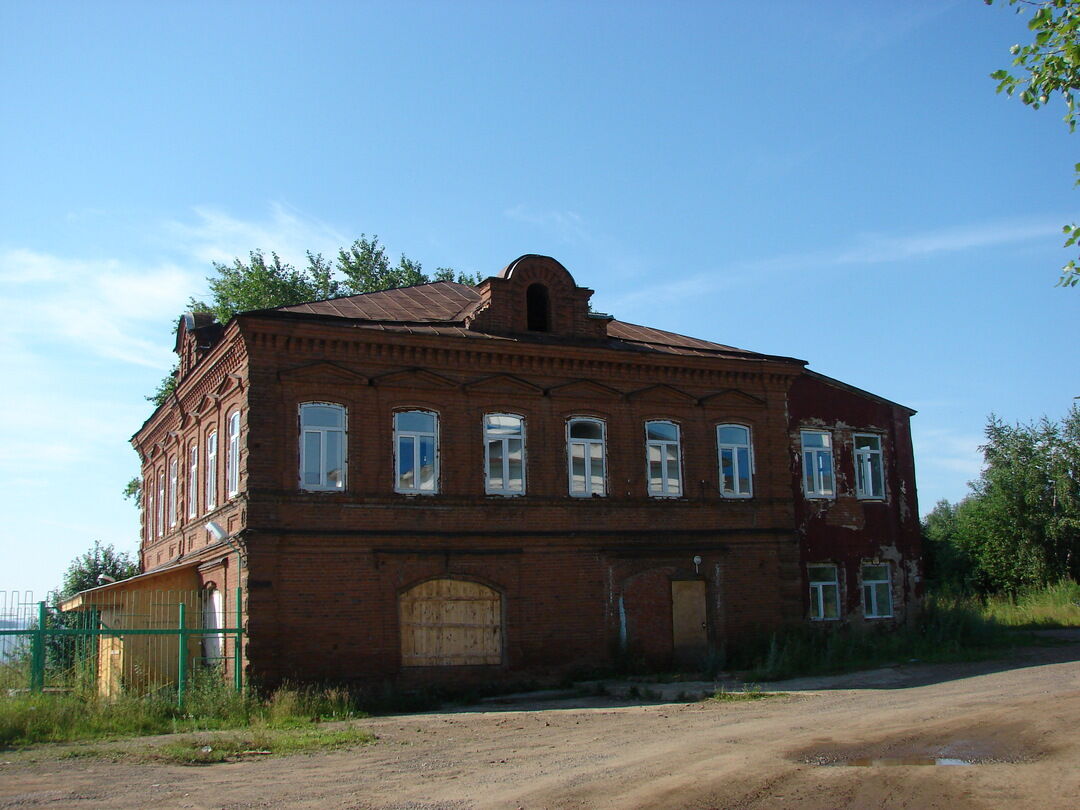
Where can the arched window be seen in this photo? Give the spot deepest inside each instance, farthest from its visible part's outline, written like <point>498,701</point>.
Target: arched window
<point>663,459</point>
<point>211,470</point>
<point>232,456</point>
<point>736,460</point>
<point>504,454</point>
<point>416,449</point>
<point>193,481</point>
<point>450,622</point>
<point>538,308</point>
<point>322,446</point>
<point>174,481</point>
<point>161,504</point>
<point>213,644</point>
<point>586,457</point>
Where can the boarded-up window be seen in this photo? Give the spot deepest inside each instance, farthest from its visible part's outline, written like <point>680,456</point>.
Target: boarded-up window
<point>451,622</point>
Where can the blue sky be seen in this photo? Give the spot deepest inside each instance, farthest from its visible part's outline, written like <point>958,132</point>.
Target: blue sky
<point>833,180</point>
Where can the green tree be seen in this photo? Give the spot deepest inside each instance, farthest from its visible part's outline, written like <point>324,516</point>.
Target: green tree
<point>948,565</point>
<point>1049,67</point>
<point>89,569</point>
<point>1021,524</point>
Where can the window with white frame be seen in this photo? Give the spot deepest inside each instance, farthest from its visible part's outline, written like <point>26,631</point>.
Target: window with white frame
<point>416,444</point>
<point>736,460</point>
<point>211,470</point>
<point>232,456</point>
<point>161,504</point>
<point>174,476</point>
<point>663,459</point>
<point>193,481</point>
<point>585,451</point>
<point>877,591</point>
<point>322,446</point>
<point>504,454</point>
<point>824,592</point>
<point>869,469</point>
<point>817,459</point>
<point>148,506</point>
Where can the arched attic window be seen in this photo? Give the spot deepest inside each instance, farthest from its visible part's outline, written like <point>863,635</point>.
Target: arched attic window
<point>537,308</point>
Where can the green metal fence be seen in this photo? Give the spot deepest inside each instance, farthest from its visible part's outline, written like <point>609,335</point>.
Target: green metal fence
<point>127,642</point>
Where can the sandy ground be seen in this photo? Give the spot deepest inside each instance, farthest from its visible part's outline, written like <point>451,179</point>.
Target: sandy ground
<point>1017,722</point>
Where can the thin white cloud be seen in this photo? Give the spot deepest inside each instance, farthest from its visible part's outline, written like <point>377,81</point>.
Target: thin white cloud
<point>216,236</point>
<point>948,450</point>
<point>867,249</point>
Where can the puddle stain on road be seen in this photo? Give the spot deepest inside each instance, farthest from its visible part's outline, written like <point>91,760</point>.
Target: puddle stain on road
<point>866,762</point>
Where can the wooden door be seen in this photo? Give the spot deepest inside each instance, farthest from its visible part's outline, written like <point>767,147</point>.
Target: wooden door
<point>451,622</point>
<point>689,635</point>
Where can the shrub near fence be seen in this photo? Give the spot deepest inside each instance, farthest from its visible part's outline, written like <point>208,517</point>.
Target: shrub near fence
<point>132,642</point>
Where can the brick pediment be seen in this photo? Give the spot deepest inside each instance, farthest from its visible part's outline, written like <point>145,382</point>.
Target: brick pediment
<point>207,403</point>
<point>503,384</point>
<point>323,372</point>
<point>415,378</point>
<point>731,397</point>
<point>662,393</point>
<point>584,389</point>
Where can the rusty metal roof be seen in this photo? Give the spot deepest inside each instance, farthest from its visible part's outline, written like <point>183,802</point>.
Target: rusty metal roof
<point>441,307</point>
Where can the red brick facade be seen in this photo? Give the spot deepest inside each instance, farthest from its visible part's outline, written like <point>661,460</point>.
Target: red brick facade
<point>577,580</point>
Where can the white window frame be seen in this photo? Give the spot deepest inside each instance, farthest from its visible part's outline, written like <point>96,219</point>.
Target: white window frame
<point>811,461</point>
<point>232,457</point>
<point>148,505</point>
<point>865,459</point>
<point>504,439</point>
<point>817,593</point>
<point>416,435</point>
<point>323,432</point>
<point>193,480</point>
<point>736,466</point>
<point>871,608</point>
<point>211,470</point>
<point>174,481</point>
<point>662,444</point>
<point>161,503</point>
<point>587,447</point>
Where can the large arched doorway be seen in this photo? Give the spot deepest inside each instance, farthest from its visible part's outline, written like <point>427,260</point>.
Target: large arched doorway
<point>450,622</point>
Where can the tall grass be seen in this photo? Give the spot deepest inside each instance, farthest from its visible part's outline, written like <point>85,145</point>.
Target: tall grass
<point>32,718</point>
<point>948,628</point>
<point>1052,606</point>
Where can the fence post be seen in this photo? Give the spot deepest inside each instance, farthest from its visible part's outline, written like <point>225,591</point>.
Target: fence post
<point>37,652</point>
<point>238,674</point>
<point>181,666</point>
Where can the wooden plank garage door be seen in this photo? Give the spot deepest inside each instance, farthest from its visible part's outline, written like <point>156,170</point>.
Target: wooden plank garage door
<point>451,622</point>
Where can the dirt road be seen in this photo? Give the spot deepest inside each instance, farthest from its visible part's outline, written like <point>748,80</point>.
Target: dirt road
<point>1017,722</point>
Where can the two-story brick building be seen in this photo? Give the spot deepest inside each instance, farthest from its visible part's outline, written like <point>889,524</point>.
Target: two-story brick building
<point>446,481</point>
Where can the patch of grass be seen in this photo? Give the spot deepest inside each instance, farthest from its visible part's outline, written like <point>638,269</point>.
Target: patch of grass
<point>257,742</point>
<point>748,692</point>
<point>26,719</point>
<point>1051,606</point>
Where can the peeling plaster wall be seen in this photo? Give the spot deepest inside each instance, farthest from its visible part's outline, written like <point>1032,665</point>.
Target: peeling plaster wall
<point>846,530</point>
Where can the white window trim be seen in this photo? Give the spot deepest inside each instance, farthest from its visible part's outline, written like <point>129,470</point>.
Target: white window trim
<point>505,440</point>
<point>323,486</point>
<point>193,480</point>
<point>870,611</point>
<point>416,434</point>
<point>174,481</point>
<point>232,456</point>
<point>864,455</point>
<point>587,444</point>
<point>211,470</point>
<point>817,593</point>
<point>818,490</point>
<point>161,503</point>
<point>735,460</point>
<point>662,443</point>
<point>148,505</point>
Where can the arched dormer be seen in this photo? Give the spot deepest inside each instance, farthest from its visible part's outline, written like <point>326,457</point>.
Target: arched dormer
<point>536,295</point>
